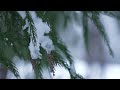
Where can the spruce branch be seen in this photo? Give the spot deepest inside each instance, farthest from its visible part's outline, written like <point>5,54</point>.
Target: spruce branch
<point>95,18</point>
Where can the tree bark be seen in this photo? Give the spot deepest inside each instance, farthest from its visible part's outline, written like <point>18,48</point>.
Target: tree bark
<point>96,53</point>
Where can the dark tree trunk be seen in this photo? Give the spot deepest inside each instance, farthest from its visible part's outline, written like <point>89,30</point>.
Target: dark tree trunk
<point>96,53</point>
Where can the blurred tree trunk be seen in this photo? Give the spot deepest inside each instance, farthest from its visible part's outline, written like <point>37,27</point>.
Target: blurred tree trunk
<point>3,72</point>
<point>96,55</point>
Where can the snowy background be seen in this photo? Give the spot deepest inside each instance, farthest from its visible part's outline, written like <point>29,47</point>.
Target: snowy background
<point>77,49</point>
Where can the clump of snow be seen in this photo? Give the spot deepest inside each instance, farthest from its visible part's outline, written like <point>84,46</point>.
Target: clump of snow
<point>41,28</point>
<point>6,39</point>
<point>11,44</point>
<point>45,41</point>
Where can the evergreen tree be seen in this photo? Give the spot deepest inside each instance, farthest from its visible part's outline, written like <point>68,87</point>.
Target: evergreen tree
<point>14,39</point>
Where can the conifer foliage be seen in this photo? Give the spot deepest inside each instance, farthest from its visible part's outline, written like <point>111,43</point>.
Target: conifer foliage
<point>14,39</point>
